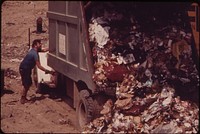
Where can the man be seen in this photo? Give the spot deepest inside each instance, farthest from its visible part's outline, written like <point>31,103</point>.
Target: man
<point>26,66</point>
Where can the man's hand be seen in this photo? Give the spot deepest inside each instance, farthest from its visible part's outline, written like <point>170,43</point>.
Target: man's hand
<point>49,72</point>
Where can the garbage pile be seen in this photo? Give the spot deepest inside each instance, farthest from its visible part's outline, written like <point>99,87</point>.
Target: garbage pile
<point>155,113</point>
<point>10,73</point>
<point>145,69</point>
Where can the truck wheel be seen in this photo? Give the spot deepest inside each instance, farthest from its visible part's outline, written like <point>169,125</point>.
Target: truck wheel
<point>85,109</point>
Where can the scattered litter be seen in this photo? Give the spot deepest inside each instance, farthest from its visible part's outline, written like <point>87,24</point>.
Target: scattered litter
<point>11,73</point>
<point>15,60</point>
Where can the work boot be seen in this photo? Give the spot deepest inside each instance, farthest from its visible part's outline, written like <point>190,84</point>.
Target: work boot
<point>23,100</point>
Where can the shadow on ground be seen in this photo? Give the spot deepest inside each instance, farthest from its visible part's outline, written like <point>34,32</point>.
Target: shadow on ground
<point>46,92</point>
<point>6,91</point>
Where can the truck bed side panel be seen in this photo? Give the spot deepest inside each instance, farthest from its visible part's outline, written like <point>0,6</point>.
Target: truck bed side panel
<point>68,45</point>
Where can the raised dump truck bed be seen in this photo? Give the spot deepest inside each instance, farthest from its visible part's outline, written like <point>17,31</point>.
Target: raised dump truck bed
<point>69,51</point>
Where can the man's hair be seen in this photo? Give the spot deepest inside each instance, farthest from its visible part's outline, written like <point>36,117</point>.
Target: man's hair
<point>35,42</point>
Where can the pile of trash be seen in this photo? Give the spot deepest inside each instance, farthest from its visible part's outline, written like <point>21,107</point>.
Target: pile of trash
<point>10,73</point>
<point>145,69</point>
<point>155,113</point>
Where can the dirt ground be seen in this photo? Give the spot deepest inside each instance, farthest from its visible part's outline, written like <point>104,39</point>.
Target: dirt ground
<point>46,113</point>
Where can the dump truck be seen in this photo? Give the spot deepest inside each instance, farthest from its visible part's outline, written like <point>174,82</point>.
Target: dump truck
<point>71,57</point>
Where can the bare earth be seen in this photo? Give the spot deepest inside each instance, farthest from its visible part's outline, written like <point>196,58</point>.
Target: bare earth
<point>47,113</point>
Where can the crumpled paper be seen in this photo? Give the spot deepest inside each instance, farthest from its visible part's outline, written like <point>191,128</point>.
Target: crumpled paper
<point>150,72</point>
<point>98,33</point>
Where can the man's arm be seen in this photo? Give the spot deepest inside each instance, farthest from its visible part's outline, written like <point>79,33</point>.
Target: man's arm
<point>45,49</point>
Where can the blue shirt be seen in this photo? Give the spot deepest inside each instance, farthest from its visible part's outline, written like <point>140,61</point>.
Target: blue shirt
<point>29,60</point>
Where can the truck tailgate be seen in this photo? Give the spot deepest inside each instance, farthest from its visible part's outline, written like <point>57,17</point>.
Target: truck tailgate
<point>42,77</point>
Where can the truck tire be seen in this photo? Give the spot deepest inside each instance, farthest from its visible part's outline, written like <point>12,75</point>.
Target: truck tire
<point>85,109</point>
